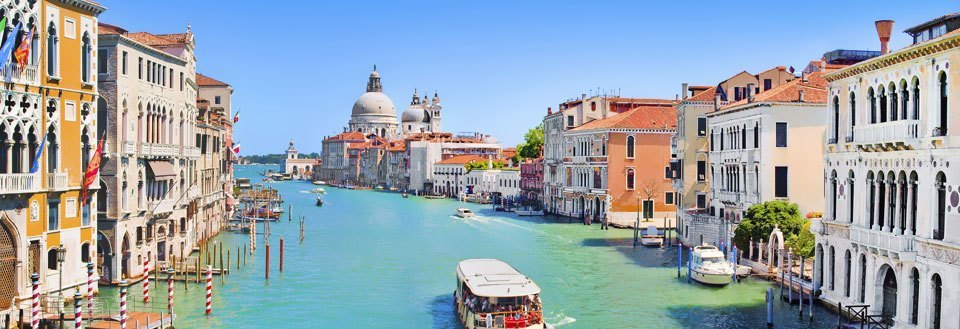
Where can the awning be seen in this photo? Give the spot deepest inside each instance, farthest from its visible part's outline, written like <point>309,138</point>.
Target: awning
<point>162,170</point>
<point>164,207</point>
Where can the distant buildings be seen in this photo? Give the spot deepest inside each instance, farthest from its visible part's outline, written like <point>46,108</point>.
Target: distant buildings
<point>297,167</point>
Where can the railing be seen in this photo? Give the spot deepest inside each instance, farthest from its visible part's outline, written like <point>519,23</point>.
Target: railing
<point>57,181</point>
<point>19,183</point>
<point>129,147</point>
<point>730,195</point>
<point>191,151</point>
<point>14,72</point>
<point>159,149</point>
<point>882,239</point>
<point>892,131</point>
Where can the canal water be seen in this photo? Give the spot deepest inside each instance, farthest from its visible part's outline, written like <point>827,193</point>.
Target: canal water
<point>376,260</point>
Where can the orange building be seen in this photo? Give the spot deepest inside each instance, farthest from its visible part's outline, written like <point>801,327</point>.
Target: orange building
<point>616,167</point>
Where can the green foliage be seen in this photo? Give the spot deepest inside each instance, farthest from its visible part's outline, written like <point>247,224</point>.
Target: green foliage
<point>532,143</point>
<point>483,165</point>
<point>762,218</point>
<point>803,243</point>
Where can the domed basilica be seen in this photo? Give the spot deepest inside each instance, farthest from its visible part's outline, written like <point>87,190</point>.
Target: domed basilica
<point>374,113</point>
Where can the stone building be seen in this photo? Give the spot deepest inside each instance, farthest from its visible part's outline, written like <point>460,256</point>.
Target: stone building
<point>890,236</point>
<point>299,168</point>
<point>373,112</point>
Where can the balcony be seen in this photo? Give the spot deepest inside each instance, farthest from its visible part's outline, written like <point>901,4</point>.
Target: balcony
<point>154,149</point>
<point>19,183</point>
<point>57,181</point>
<point>729,196</point>
<point>190,151</point>
<point>882,242</point>
<point>887,135</point>
<point>129,147</point>
<point>21,74</point>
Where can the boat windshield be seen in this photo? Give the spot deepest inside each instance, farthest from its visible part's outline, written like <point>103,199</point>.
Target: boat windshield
<point>712,260</point>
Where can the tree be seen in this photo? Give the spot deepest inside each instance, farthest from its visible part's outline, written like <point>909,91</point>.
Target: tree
<point>649,188</point>
<point>762,218</point>
<point>531,146</point>
<point>483,165</point>
<point>803,243</point>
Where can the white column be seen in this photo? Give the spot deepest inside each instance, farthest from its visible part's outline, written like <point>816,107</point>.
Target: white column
<point>898,204</point>
<point>910,211</point>
<point>878,221</point>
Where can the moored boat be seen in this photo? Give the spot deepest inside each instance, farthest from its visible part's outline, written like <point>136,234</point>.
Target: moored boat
<point>464,213</point>
<point>493,294</point>
<point>651,237</point>
<point>709,266</point>
<point>318,190</point>
<point>405,195</point>
<point>319,182</point>
<point>529,212</point>
<point>319,201</point>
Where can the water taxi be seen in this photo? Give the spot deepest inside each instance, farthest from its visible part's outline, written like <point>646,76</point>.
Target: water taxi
<point>493,294</point>
<point>319,182</point>
<point>464,213</point>
<point>318,190</point>
<point>651,237</point>
<point>709,266</point>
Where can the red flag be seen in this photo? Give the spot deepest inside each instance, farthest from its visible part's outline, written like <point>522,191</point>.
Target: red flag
<point>22,54</point>
<point>236,150</point>
<point>90,174</point>
<point>236,117</point>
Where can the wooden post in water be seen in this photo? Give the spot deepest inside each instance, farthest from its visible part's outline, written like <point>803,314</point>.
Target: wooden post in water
<point>266,268</point>
<point>223,270</point>
<point>690,265</point>
<point>238,258</point>
<point>244,256</point>
<point>281,254</point>
<point>679,257</point>
<point>770,307</point>
<point>813,287</point>
<point>801,286</point>
<point>290,212</point>
<point>228,260</point>
<point>790,272</point>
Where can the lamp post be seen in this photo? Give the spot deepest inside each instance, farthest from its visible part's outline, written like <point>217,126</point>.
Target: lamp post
<point>61,256</point>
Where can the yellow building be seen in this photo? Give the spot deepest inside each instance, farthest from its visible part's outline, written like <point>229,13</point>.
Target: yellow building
<point>51,105</point>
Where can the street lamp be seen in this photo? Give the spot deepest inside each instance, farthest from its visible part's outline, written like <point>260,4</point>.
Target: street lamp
<point>61,257</point>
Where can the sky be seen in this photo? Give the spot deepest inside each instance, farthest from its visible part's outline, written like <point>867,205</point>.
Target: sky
<point>297,67</point>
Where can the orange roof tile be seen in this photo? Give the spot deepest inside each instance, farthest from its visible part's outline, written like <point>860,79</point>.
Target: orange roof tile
<point>350,135</point>
<point>704,96</point>
<point>814,91</point>
<point>641,117</point>
<point>462,159</point>
<point>203,80</point>
<point>155,40</point>
<point>104,28</point>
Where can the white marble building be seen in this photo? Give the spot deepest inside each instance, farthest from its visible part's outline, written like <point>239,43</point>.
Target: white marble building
<point>374,112</point>
<point>422,115</point>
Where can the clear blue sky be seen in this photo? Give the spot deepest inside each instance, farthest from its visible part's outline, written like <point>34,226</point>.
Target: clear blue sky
<point>298,66</point>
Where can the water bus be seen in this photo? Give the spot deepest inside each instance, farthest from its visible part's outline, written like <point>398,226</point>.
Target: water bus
<point>493,294</point>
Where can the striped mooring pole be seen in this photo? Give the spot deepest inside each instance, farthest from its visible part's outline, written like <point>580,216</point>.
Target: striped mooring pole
<point>123,304</point>
<point>35,307</point>
<point>146,280</point>
<point>209,287</point>
<point>90,287</point>
<point>170,273</point>
<point>77,315</point>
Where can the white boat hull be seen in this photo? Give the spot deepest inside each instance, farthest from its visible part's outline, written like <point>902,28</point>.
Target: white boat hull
<point>714,279</point>
<point>653,241</point>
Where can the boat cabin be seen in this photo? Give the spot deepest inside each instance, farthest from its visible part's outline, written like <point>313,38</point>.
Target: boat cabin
<point>489,290</point>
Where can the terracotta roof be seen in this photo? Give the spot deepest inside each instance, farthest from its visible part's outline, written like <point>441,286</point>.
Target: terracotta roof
<point>462,159</point>
<point>104,28</point>
<point>641,117</point>
<point>396,146</point>
<point>203,80</point>
<point>159,40</point>
<point>350,135</point>
<point>814,91</point>
<point>703,96</point>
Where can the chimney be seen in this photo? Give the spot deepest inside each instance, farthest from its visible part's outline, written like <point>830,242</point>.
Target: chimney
<point>803,77</point>
<point>750,92</point>
<point>583,96</point>
<point>683,92</point>
<point>549,110</point>
<point>883,31</point>
<point>801,95</point>
<point>716,101</point>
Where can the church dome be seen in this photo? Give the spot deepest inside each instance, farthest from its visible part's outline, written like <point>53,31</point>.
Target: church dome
<point>414,113</point>
<point>374,103</point>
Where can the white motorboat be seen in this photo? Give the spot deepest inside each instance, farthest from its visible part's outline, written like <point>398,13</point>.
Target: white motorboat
<point>651,237</point>
<point>318,190</point>
<point>493,294</point>
<point>319,182</point>
<point>464,213</point>
<point>709,266</point>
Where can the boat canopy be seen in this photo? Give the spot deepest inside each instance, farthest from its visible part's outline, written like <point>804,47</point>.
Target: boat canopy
<point>494,278</point>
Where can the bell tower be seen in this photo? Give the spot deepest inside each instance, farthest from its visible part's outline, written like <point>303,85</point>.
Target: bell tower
<point>374,84</point>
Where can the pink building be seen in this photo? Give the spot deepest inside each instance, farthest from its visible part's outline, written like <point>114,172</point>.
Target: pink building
<point>531,181</point>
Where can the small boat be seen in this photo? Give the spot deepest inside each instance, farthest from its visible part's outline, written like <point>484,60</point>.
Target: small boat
<point>277,210</point>
<point>464,213</point>
<point>318,190</point>
<point>435,197</point>
<point>709,266</point>
<point>743,270</point>
<point>651,237</point>
<point>485,285</point>
<point>319,182</point>
<point>319,202</point>
<point>379,187</point>
<point>405,195</point>
<point>243,219</point>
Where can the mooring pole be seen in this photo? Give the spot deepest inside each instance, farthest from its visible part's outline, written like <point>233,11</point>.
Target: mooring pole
<point>801,285</point>
<point>770,307</point>
<point>689,265</point>
<point>281,254</point>
<point>266,268</point>
<point>679,257</point>
<point>790,272</point>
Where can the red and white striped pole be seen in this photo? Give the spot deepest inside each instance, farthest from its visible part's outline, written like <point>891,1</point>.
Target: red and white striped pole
<point>35,307</point>
<point>209,287</point>
<point>146,280</point>
<point>170,292</point>
<point>90,287</point>
<point>77,315</point>
<point>123,304</point>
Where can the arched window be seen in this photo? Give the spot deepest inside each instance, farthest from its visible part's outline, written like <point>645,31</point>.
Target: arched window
<point>937,303</point>
<point>86,50</point>
<point>904,99</point>
<point>743,137</point>
<point>853,113</point>
<point>630,179</point>
<point>894,102</point>
<point>871,185</point>
<point>882,94</point>
<point>712,148</point>
<point>723,136</point>
<point>913,197</point>
<point>52,259</point>
<point>833,195</point>
<point>53,56</point>
<point>850,196</point>
<point>916,98</point>
<point>941,129</point>
<point>941,186</point>
<point>915,295</point>
<point>836,120</point>
<point>52,150</point>
<point>630,147</point>
<point>85,253</point>
<point>756,135</point>
<point>846,273</point>
<point>873,105</point>
<point>863,277</point>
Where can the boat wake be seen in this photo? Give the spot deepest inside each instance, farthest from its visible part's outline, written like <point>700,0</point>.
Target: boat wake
<point>559,319</point>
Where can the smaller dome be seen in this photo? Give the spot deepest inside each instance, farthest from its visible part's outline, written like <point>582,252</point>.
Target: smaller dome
<point>426,116</point>
<point>374,74</point>
<point>414,113</point>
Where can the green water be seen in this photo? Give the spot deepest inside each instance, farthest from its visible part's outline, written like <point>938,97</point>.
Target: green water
<point>376,260</point>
